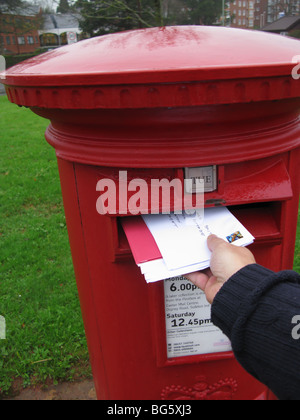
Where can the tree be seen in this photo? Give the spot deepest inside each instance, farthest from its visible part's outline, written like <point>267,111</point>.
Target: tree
<point>105,16</point>
<point>10,4</point>
<point>63,6</point>
<point>199,12</point>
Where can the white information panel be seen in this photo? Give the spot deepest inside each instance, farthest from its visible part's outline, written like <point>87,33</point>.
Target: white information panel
<point>188,321</point>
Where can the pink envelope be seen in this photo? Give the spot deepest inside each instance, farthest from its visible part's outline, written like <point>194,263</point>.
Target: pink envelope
<point>140,239</point>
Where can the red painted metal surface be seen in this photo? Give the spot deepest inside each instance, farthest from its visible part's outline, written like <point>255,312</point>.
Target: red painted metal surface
<point>161,55</point>
<point>155,101</point>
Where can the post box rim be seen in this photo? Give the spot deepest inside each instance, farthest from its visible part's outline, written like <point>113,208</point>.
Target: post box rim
<point>136,63</point>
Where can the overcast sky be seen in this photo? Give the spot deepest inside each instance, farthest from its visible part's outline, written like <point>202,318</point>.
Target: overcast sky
<point>51,4</point>
<point>46,3</point>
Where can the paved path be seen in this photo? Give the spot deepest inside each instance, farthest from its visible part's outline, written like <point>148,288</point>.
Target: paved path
<point>82,390</point>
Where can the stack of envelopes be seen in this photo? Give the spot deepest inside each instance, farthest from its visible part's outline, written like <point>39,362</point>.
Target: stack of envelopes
<point>171,245</point>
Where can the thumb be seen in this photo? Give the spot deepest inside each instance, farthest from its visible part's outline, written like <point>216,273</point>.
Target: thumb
<point>214,241</point>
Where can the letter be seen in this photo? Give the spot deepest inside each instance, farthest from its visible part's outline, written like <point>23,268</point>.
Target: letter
<point>138,202</point>
<point>163,409</point>
<point>138,411</point>
<point>123,192</point>
<point>119,410</point>
<point>164,185</point>
<point>178,410</point>
<point>295,74</point>
<point>154,409</point>
<point>110,410</point>
<point>296,330</point>
<point>106,203</point>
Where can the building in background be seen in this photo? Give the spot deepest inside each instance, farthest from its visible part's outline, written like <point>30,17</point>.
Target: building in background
<point>287,25</point>
<point>256,14</point>
<point>280,8</point>
<point>248,14</point>
<point>19,29</point>
<point>60,29</point>
<point>26,29</point>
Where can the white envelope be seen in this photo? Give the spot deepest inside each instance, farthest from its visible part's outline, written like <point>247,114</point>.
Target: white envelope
<point>183,243</point>
<point>157,270</point>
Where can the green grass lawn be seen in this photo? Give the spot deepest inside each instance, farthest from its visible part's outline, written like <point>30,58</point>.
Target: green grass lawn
<point>38,295</point>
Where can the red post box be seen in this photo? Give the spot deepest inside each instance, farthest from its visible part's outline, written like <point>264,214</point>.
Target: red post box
<point>156,103</point>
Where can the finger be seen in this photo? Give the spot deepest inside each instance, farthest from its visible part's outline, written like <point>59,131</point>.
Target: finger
<point>214,241</point>
<point>198,278</point>
<point>212,288</point>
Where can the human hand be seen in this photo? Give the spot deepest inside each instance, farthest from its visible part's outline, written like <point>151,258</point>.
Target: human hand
<point>226,260</point>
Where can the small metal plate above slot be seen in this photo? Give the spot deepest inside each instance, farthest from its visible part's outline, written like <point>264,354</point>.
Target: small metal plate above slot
<point>206,173</point>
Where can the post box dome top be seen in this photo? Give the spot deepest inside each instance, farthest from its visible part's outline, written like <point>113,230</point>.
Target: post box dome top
<point>115,70</point>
